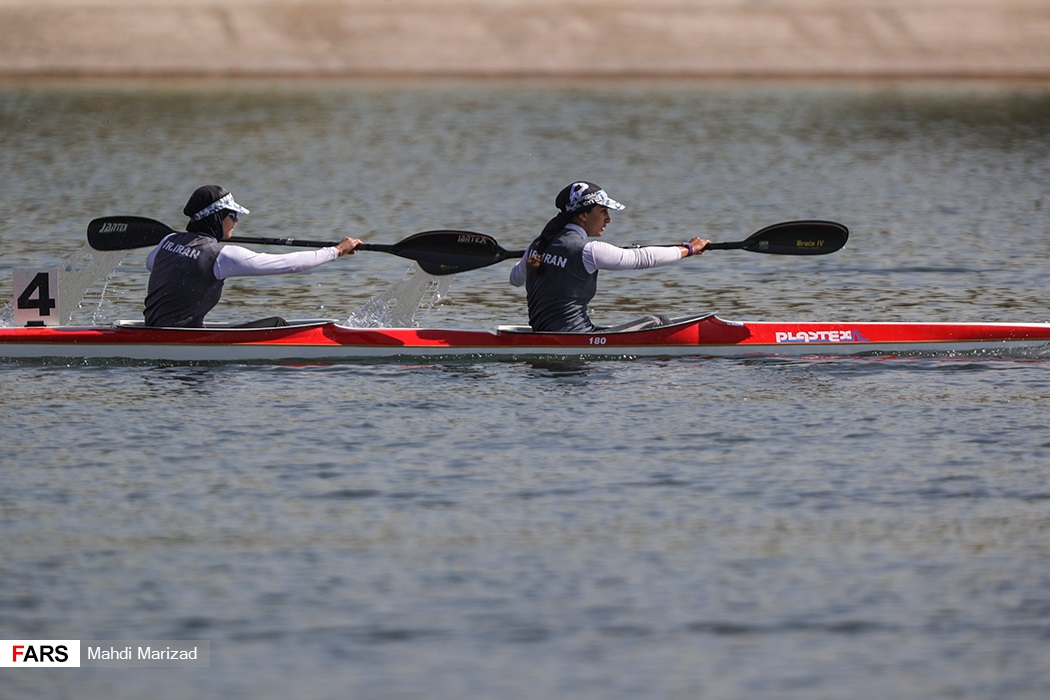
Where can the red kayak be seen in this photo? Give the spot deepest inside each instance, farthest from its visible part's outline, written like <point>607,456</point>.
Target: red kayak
<point>706,335</point>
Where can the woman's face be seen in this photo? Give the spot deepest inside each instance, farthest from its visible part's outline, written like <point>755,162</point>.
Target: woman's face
<point>593,221</point>
<point>228,222</point>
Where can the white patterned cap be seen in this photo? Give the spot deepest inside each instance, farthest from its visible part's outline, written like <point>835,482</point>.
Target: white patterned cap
<point>209,199</point>
<point>583,194</point>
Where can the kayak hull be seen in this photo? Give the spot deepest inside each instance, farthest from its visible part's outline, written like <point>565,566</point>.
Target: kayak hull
<point>706,335</point>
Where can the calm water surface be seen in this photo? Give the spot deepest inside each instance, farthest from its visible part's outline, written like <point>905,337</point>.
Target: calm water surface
<point>691,528</point>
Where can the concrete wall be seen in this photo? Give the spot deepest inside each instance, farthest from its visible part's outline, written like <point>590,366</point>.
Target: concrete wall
<point>513,38</point>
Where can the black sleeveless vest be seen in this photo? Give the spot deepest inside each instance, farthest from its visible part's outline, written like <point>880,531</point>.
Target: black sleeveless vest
<point>182,285</point>
<point>558,293</point>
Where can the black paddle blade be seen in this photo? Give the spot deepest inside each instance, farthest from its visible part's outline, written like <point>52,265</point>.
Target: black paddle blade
<point>811,237</point>
<point>125,232</point>
<point>447,252</point>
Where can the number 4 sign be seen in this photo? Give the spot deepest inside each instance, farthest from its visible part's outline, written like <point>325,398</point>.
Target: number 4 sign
<point>36,297</point>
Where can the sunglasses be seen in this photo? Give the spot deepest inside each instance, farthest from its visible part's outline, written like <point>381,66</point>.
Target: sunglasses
<point>233,215</point>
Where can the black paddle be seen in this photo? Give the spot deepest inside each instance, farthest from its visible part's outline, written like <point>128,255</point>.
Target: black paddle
<point>441,252</point>
<point>446,252</point>
<point>809,237</point>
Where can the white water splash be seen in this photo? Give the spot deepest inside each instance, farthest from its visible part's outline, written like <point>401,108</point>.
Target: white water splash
<point>78,279</point>
<point>406,302</point>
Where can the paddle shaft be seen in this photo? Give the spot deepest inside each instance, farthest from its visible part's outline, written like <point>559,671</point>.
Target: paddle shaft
<point>808,237</point>
<point>300,243</point>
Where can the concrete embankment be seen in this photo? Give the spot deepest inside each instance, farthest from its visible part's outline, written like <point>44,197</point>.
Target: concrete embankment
<point>534,38</point>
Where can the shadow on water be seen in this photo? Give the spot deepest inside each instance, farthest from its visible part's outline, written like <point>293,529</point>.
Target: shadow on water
<point>182,380</point>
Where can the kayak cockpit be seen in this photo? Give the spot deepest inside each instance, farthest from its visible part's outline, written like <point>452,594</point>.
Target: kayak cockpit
<point>674,323</point>
<point>225,327</point>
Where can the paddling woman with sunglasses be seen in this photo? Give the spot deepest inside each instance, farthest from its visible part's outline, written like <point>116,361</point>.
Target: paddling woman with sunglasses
<point>560,268</point>
<point>188,269</point>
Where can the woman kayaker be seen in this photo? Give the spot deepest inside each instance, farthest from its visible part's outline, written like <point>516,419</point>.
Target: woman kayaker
<point>188,269</point>
<point>560,268</point>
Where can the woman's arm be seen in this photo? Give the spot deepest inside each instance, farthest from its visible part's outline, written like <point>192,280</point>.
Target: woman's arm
<point>599,255</point>
<point>236,261</point>
<point>518,272</point>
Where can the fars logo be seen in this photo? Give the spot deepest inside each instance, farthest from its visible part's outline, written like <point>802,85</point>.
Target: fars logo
<point>39,653</point>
